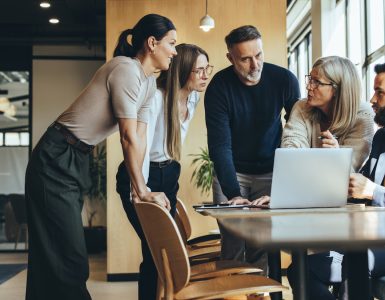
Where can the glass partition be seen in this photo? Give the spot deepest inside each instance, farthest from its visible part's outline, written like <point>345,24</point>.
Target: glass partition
<point>14,151</point>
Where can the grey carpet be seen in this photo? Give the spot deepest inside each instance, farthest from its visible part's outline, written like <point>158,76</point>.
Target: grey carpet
<point>7,271</point>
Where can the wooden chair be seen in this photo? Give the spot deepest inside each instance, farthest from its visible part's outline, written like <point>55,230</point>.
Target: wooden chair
<point>171,259</point>
<point>202,248</point>
<point>204,251</point>
<point>184,225</point>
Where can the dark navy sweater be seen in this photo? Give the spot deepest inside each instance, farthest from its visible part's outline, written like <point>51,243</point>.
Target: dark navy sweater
<point>244,122</point>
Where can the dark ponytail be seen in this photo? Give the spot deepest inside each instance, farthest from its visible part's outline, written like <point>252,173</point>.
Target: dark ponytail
<point>150,25</point>
<point>123,48</point>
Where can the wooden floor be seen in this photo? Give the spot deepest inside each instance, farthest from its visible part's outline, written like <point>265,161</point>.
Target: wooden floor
<point>100,289</point>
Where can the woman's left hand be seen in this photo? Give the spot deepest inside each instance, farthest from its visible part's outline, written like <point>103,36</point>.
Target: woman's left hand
<point>329,140</point>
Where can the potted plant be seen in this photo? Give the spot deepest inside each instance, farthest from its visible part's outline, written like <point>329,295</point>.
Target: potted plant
<point>203,173</point>
<point>95,202</point>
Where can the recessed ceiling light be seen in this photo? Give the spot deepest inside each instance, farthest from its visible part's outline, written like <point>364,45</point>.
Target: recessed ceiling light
<point>54,21</point>
<point>45,4</point>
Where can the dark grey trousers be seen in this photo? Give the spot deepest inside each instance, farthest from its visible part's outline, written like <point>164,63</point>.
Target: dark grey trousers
<point>233,247</point>
<point>56,176</point>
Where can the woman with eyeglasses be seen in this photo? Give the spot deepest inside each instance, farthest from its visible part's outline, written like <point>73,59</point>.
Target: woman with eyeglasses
<point>174,105</point>
<point>332,116</point>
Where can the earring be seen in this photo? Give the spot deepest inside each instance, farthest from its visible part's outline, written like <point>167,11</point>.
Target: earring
<point>152,51</point>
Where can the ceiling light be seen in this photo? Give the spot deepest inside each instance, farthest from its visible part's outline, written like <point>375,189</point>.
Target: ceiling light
<point>54,21</point>
<point>45,4</point>
<point>207,22</point>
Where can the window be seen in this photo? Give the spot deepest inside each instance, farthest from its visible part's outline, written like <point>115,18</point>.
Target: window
<point>24,138</point>
<point>375,24</point>
<point>300,61</point>
<point>358,33</point>
<point>337,44</point>
<point>13,139</point>
<point>364,35</point>
<point>14,107</point>
<point>354,32</point>
<point>374,41</point>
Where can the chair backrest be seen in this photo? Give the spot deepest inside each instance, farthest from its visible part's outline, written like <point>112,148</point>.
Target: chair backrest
<point>162,233</point>
<point>18,207</point>
<point>182,219</point>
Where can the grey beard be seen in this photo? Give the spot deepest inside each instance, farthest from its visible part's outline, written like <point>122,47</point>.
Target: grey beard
<point>253,77</point>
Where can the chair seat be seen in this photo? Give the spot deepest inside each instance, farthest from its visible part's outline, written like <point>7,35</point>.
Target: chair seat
<point>228,286</point>
<point>213,243</point>
<point>221,268</point>
<point>213,251</point>
<point>208,240</point>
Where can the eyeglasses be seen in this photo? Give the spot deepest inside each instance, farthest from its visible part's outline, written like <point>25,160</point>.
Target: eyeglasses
<point>199,71</point>
<point>315,83</point>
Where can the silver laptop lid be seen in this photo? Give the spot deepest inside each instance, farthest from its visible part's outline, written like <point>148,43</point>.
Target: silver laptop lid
<point>310,177</point>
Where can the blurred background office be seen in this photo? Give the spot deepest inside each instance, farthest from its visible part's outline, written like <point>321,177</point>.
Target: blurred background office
<point>48,55</point>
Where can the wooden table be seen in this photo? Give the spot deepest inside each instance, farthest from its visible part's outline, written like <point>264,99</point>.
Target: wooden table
<point>351,229</point>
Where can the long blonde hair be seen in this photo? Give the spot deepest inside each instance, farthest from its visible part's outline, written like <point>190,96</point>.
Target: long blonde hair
<point>347,95</point>
<point>171,82</point>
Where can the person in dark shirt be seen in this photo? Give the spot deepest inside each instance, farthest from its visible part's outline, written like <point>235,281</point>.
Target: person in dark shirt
<point>243,105</point>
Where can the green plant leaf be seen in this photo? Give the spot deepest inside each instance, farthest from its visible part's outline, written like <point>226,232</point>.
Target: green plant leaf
<point>202,176</point>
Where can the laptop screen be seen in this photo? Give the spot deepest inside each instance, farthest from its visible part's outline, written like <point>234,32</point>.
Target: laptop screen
<point>310,177</point>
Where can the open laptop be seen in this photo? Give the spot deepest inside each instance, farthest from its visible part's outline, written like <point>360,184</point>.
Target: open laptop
<point>310,177</point>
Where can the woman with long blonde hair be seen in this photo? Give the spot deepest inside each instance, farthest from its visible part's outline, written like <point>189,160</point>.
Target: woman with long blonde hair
<point>333,115</point>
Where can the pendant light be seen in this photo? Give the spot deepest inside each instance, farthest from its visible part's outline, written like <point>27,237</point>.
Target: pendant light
<point>207,22</point>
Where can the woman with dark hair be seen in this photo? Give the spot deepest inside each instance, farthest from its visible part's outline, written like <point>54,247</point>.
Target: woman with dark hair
<point>173,108</point>
<point>117,98</point>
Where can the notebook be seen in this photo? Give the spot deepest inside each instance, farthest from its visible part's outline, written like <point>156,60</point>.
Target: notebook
<point>310,177</point>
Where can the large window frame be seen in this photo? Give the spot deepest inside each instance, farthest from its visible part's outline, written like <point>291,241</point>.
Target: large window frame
<point>357,39</point>
<point>21,141</point>
<point>299,58</point>
<point>370,56</point>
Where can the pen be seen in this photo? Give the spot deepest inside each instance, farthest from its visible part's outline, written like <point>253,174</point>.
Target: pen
<point>322,137</point>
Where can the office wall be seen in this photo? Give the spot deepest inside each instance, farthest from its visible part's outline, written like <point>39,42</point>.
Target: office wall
<point>55,85</point>
<point>268,15</point>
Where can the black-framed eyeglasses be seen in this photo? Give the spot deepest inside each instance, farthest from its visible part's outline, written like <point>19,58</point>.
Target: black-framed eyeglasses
<point>199,71</point>
<point>315,83</point>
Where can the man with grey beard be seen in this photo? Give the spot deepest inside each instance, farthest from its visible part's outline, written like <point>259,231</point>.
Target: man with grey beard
<point>243,105</point>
